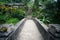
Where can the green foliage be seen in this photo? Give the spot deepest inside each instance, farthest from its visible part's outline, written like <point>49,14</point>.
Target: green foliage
<point>9,1</point>
<point>6,13</point>
<point>2,2</point>
<point>49,13</point>
<point>12,21</point>
<point>3,18</point>
<point>19,13</point>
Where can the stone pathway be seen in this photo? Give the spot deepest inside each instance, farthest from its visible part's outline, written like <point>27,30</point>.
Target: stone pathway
<point>29,32</point>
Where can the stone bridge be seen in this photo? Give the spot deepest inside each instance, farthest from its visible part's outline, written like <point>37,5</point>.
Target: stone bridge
<point>30,29</point>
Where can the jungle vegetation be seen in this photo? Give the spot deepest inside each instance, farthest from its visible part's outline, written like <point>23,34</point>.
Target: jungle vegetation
<point>46,11</point>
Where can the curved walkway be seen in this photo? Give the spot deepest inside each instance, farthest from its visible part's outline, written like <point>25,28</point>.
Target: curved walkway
<point>29,32</point>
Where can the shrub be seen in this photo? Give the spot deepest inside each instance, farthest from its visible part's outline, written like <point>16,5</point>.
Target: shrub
<point>12,21</point>
<point>3,29</point>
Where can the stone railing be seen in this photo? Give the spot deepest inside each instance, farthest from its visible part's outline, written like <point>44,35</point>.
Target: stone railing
<point>42,28</point>
<point>51,32</point>
<point>54,31</point>
<point>13,35</point>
